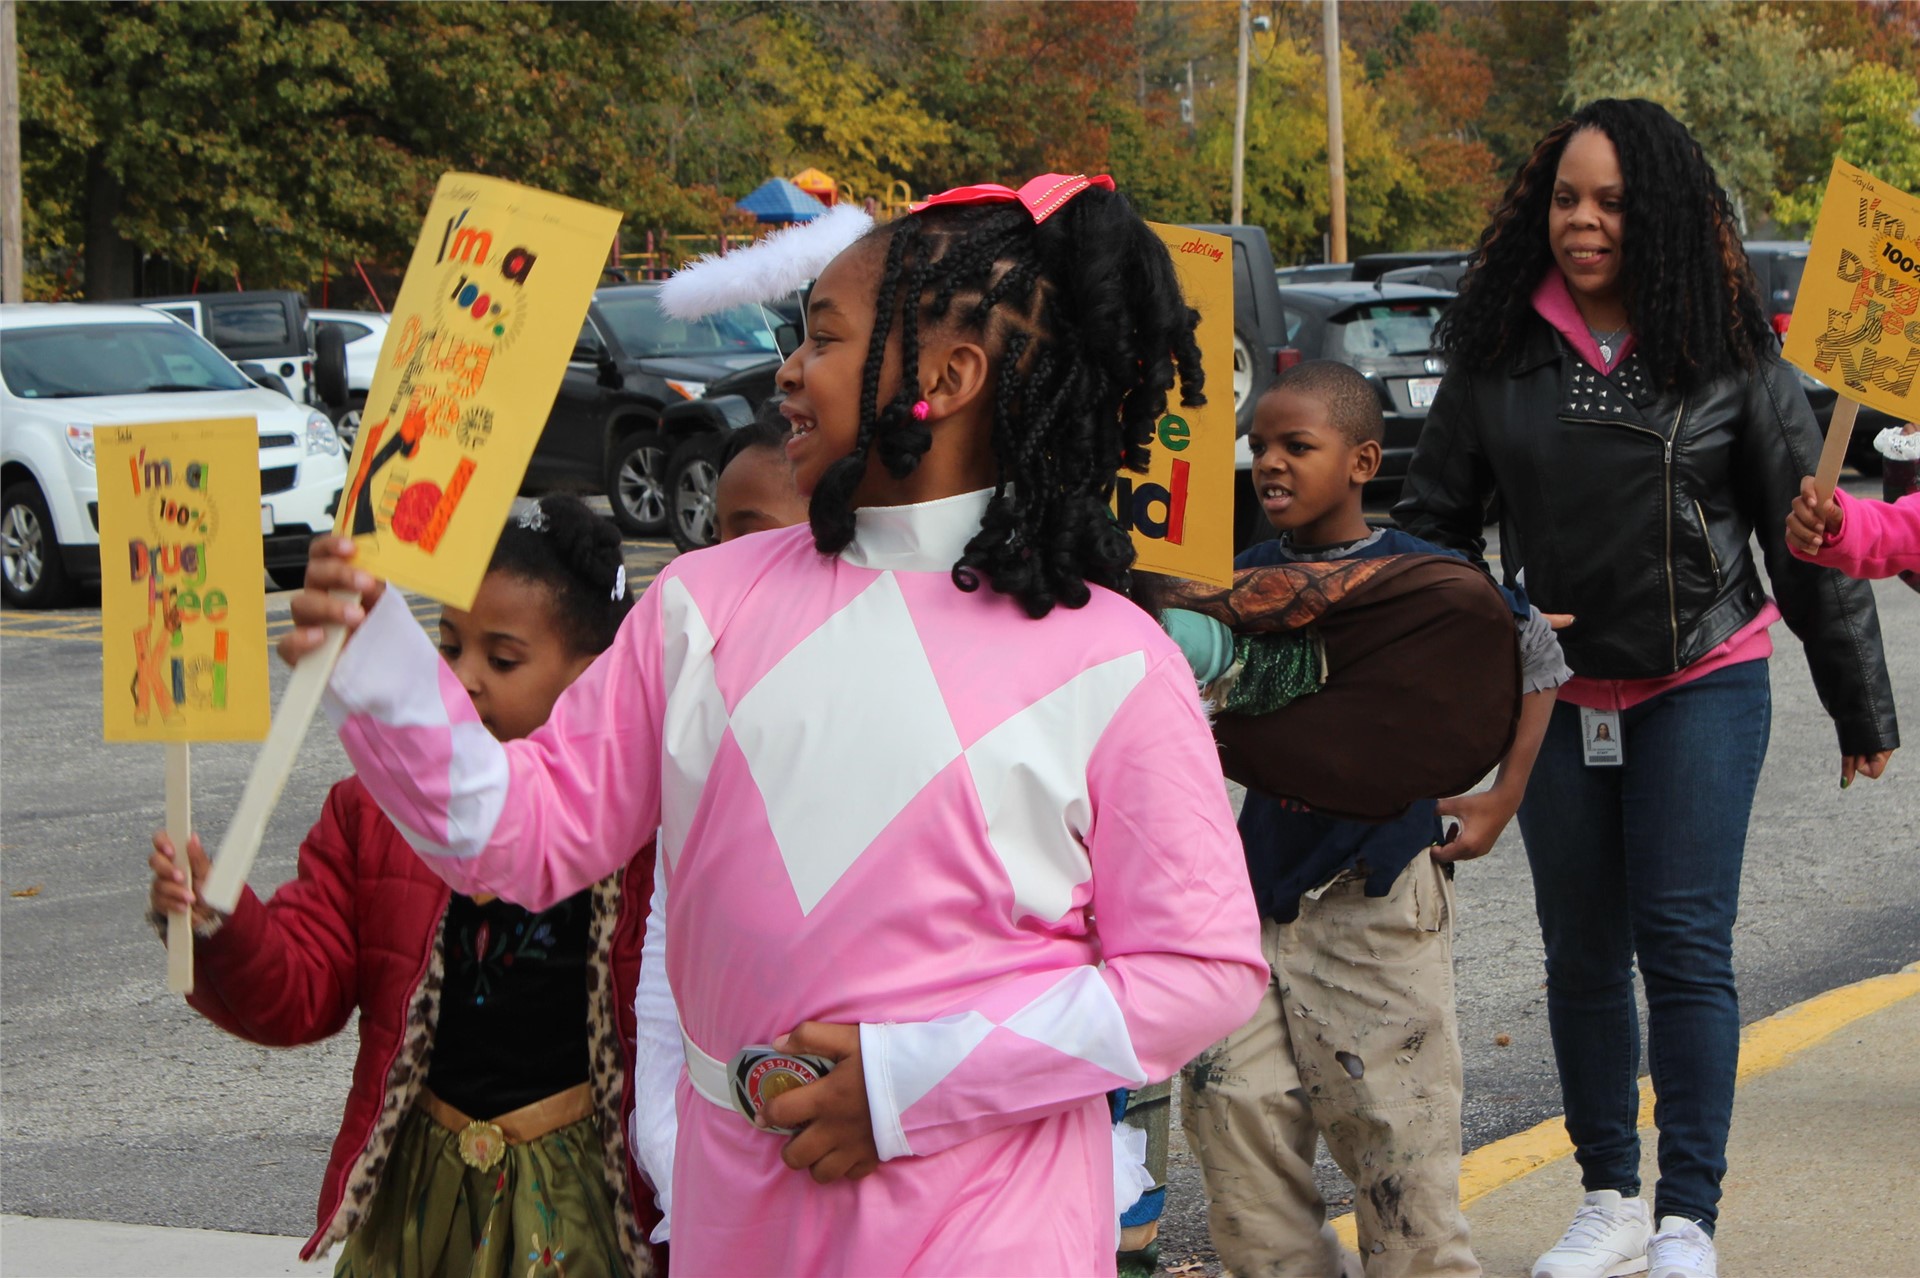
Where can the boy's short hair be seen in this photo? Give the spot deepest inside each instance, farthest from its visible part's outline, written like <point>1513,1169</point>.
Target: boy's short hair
<point>1352,404</point>
<point>768,429</point>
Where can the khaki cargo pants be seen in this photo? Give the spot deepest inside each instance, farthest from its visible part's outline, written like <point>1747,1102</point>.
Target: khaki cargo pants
<point>1355,1041</point>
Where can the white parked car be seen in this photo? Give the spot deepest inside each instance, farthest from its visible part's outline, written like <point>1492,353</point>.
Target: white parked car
<point>67,368</point>
<point>364,334</point>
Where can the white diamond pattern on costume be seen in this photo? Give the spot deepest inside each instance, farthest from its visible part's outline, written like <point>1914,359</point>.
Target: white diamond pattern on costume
<point>1031,775</point>
<point>842,734</point>
<point>938,1048</point>
<point>1079,1016</point>
<point>695,715</point>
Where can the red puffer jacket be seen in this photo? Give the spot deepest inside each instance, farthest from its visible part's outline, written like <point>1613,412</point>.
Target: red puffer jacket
<point>362,926</point>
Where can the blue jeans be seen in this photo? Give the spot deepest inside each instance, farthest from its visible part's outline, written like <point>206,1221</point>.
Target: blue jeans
<point>1644,859</point>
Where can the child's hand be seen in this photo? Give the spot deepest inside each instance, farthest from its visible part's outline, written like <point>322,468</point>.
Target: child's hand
<point>1481,818</point>
<point>1810,522</point>
<point>835,1140</point>
<point>329,568</point>
<point>170,893</point>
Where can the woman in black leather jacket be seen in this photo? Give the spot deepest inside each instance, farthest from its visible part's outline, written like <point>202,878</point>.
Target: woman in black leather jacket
<point>1615,386</point>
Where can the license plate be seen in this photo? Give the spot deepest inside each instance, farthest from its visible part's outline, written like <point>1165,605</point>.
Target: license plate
<point>1421,390</point>
<point>266,520</point>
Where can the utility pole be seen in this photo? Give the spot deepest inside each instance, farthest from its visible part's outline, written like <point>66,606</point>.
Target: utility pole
<point>1336,140</point>
<point>12,253</point>
<point>1240,116</point>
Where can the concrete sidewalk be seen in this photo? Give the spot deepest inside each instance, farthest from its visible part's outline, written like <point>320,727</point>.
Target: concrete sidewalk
<point>1824,1178</point>
<point>44,1247</point>
<point>1823,1167</point>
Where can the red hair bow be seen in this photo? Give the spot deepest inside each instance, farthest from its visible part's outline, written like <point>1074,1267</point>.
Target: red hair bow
<point>1044,196</point>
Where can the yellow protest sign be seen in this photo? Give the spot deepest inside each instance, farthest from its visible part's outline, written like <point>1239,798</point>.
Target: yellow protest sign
<point>1180,513</point>
<point>1856,322</point>
<point>183,597</point>
<point>477,344</point>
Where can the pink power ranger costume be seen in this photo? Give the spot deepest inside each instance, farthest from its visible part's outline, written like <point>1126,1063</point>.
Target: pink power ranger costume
<point>1000,846</point>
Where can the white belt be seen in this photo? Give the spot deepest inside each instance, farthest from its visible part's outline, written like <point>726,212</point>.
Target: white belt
<point>708,1074</point>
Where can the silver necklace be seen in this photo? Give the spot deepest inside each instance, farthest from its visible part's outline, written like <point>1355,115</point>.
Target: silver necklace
<point>1605,341</point>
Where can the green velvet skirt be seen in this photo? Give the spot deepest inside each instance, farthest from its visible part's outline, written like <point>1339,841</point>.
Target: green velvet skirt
<point>543,1211</point>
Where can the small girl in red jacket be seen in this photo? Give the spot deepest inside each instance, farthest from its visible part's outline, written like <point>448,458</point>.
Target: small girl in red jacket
<point>485,1133</point>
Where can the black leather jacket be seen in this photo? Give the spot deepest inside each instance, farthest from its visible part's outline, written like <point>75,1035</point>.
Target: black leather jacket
<point>1632,509</point>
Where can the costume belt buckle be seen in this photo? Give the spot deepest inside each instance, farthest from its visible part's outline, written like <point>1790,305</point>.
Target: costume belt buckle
<point>482,1145</point>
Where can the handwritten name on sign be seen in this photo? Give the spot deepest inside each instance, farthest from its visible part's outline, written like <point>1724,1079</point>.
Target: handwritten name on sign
<point>1856,322</point>
<point>183,601</point>
<point>1180,513</point>
<point>479,339</point>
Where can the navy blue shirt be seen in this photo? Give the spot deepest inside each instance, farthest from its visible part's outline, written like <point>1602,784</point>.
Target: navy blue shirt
<point>1290,848</point>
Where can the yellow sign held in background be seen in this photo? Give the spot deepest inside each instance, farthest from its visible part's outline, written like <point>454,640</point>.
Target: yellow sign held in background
<point>1180,513</point>
<point>183,600</point>
<point>477,344</point>
<point>1856,322</point>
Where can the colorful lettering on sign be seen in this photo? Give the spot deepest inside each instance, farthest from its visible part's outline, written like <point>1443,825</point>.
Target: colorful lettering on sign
<point>1135,505</point>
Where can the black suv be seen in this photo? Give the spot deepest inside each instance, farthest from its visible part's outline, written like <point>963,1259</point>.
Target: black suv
<point>633,363</point>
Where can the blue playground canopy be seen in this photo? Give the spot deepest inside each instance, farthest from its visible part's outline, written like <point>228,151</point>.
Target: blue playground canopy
<point>778,200</point>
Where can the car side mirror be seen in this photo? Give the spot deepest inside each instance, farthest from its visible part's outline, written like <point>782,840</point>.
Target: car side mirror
<point>261,377</point>
<point>609,372</point>
<point>330,367</point>
<point>587,353</point>
<point>787,339</point>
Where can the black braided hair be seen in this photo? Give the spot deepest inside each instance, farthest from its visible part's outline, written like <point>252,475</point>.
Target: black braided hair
<point>1690,295</point>
<point>576,554</point>
<point>1083,321</point>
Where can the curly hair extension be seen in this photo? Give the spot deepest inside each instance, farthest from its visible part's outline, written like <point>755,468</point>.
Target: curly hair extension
<point>1690,295</point>
<point>577,556</point>
<point>1083,320</point>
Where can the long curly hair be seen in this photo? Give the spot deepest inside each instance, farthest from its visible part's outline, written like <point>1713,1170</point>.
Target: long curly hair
<point>1690,296</point>
<point>1086,329</point>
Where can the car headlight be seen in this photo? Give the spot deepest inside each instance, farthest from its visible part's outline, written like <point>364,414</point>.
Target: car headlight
<point>80,442</point>
<point>321,437</point>
<point>689,390</point>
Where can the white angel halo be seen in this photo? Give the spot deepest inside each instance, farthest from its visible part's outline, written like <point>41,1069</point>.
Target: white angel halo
<point>761,272</point>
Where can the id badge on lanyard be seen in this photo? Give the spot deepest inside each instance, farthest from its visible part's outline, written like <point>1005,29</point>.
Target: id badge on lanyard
<point>1602,740</point>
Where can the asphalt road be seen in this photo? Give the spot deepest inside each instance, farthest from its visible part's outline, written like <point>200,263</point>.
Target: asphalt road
<point>119,1103</point>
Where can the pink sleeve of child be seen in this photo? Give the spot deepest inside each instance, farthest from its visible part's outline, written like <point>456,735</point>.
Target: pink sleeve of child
<point>1875,539</point>
<point>1179,936</point>
<point>532,821</point>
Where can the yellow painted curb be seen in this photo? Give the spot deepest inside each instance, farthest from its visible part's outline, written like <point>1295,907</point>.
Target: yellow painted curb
<point>1765,1045</point>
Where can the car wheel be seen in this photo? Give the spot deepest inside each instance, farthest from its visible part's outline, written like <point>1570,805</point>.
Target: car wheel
<point>32,574</point>
<point>347,424</point>
<point>292,577</point>
<point>692,477</point>
<point>637,483</point>
<point>1242,377</point>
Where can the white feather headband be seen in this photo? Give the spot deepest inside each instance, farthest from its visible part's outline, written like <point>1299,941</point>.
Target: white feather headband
<point>764,271</point>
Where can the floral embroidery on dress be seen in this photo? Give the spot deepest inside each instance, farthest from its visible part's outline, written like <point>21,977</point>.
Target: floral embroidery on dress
<point>487,950</point>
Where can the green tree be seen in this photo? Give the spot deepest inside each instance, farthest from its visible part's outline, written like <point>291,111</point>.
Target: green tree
<point>1744,78</point>
<point>1871,111</point>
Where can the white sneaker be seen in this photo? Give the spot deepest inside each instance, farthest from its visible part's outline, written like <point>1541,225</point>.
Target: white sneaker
<point>1608,1238</point>
<point>1682,1250</point>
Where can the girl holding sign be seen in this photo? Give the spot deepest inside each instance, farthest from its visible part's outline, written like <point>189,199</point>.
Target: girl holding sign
<point>484,1130</point>
<point>1614,384</point>
<point>941,820</point>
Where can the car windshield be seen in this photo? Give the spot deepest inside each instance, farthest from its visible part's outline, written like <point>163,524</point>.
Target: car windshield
<point>641,328</point>
<point>1380,330</point>
<point>112,359</point>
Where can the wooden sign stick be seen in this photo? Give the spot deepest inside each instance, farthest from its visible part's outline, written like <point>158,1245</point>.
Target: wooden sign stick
<point>271,768</point>
<point>180,829</point>
<point>1833,453</point>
